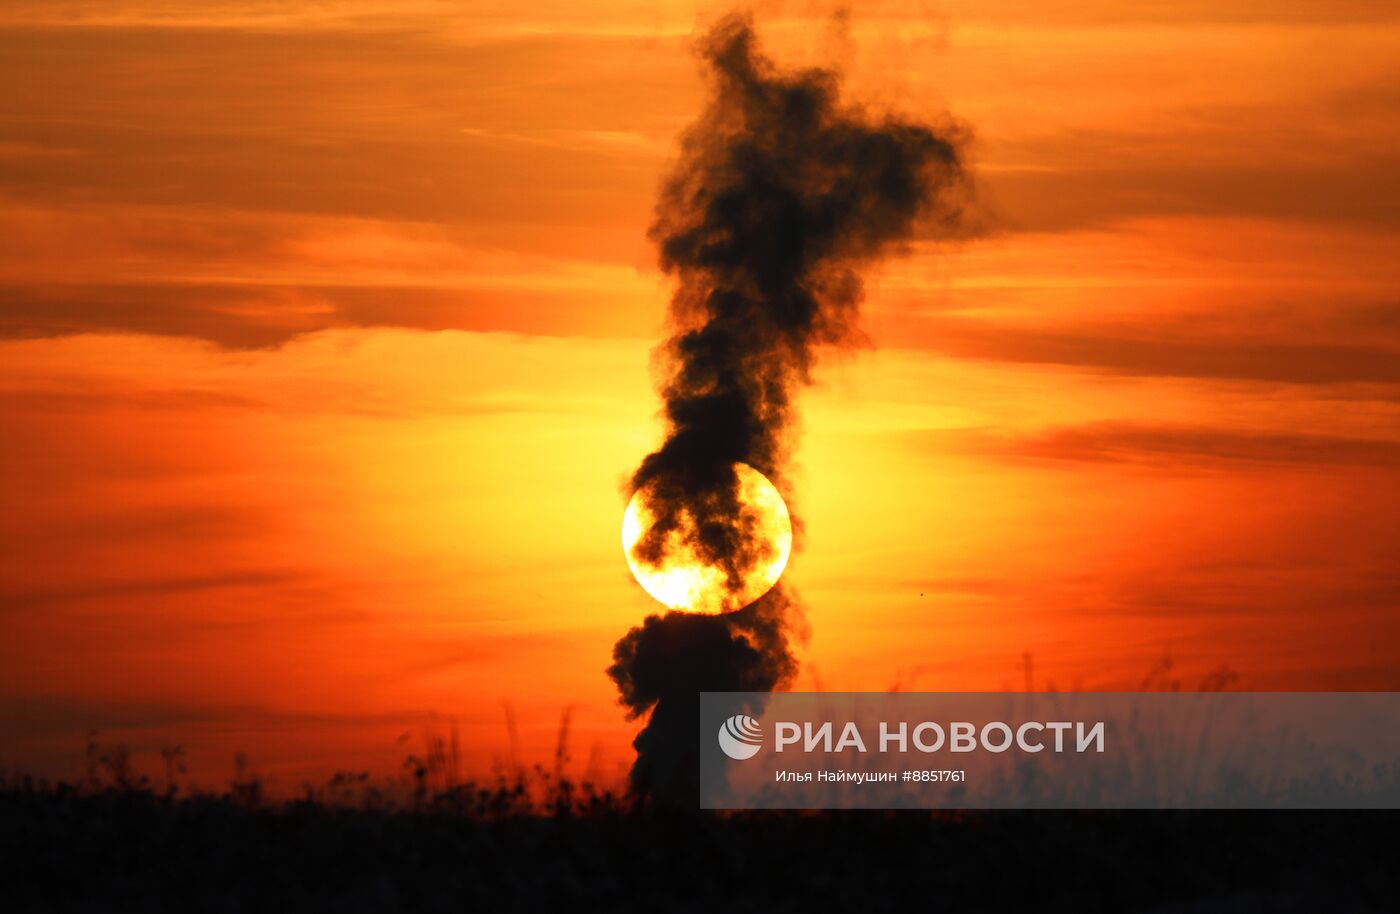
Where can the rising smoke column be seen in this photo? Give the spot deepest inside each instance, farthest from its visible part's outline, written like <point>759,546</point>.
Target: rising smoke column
<point>781,196</point>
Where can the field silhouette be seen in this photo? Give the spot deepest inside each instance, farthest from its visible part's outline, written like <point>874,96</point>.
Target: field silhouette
<point>533,838</point>
<point>535,843</point>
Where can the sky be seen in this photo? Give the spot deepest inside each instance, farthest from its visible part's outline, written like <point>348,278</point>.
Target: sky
<point>326,338</point>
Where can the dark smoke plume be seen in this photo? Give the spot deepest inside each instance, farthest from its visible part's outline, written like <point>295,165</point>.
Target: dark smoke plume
<point>781,196</point>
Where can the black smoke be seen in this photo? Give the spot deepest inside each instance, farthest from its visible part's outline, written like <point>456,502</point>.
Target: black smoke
<point>782,195</point>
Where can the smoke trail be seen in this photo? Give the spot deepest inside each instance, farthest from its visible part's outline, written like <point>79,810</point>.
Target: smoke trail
<point>781,196</point>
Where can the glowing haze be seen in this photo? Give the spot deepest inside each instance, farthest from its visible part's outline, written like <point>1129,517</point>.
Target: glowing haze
<point>325,346</point>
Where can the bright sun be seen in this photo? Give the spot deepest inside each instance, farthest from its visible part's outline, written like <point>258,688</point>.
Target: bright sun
<point>684,580</point>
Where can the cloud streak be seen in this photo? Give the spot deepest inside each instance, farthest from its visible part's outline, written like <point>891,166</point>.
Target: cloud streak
<point>1138,351</point>
<point>1174,446</point>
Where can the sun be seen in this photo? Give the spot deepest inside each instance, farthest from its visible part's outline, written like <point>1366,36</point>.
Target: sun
<point>683,579</point>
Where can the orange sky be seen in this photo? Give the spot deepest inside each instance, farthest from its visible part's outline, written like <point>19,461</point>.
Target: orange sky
<point>324,345</point>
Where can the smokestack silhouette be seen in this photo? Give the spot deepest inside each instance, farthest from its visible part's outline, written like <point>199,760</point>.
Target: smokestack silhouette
<point>782,194</point>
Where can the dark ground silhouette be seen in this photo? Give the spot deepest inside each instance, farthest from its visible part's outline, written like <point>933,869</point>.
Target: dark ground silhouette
<point>66,848</point>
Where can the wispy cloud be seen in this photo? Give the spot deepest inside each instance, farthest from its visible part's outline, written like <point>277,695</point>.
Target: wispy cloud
<point>1174,446</point>
<point>1138,350</point>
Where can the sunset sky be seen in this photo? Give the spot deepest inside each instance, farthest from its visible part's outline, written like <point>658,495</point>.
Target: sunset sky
<point>325,355</point>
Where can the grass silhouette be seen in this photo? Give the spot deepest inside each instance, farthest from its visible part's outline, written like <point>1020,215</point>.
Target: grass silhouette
<point>506,846</point>
<point>530,838</point>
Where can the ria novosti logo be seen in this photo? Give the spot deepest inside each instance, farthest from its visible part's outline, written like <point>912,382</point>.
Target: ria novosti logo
<point>740,737</point>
